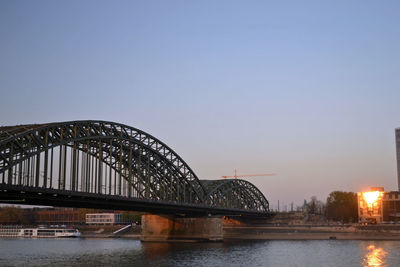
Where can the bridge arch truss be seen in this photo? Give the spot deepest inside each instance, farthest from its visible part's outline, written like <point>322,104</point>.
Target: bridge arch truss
<point>236,193</point>
<point>104,158</point>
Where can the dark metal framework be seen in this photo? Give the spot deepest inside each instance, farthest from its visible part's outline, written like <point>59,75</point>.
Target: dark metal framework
<point>236,193</point>
<point>107,159</point>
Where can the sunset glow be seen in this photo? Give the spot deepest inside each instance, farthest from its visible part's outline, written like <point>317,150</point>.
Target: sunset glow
<point>375,256</point>
<point>371,197</point>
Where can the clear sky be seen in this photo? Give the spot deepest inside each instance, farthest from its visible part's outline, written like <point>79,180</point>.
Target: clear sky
<point>309,90</point>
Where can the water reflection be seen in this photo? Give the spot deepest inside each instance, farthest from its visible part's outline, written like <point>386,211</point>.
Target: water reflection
<point>127,252</point>
<point>155,250</point>
<point>375,256</point>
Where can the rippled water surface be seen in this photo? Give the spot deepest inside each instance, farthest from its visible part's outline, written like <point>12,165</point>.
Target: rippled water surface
<point>126,252</point>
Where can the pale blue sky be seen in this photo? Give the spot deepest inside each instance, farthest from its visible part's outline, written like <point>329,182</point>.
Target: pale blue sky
<point>307,89</point>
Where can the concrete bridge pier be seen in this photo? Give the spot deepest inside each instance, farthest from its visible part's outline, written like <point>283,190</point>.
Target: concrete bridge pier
<point>169,228</point>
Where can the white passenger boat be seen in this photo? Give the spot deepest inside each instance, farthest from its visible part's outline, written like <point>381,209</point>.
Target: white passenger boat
<point>15,231</point>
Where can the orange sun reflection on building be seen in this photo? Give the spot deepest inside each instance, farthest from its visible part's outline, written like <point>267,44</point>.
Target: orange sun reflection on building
<point>371,197</point>
<point>375,256</point>
<point>370,205</point>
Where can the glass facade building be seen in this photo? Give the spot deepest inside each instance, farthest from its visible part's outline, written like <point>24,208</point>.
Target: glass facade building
<point>398,156</point>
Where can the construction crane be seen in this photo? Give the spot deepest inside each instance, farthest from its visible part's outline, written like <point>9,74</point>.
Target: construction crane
<point>248,175</point>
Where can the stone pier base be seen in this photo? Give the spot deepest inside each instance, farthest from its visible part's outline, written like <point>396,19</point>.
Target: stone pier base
<point>156,228</point>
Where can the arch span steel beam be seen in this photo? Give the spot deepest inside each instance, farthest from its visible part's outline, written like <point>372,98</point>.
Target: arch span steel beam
<point>236,193</point>
<point>106,160</point>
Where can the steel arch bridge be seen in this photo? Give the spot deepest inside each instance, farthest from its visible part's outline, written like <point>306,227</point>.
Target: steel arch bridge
<point>102,164</point>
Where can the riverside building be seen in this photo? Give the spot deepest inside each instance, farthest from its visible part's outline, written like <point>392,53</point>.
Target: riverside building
<point>397,134</point>
<point>378,206</point>
<point>104,218</point>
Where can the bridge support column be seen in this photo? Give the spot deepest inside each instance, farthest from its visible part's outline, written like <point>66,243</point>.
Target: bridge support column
<point>156,228</point>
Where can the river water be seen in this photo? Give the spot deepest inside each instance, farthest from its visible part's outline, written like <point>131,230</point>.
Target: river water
<point>128,252</point>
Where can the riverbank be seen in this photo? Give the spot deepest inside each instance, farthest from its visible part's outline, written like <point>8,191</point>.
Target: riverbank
<point>234,233</point>
<point>248,232</point>
<point>107,231</point>
<point>268,232</point>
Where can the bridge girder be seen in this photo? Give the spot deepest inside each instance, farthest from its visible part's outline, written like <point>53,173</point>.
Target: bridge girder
<point>235,192</point>
<point>112,159</point>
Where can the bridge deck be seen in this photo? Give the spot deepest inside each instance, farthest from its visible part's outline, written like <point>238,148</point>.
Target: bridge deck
<point>24,195</point>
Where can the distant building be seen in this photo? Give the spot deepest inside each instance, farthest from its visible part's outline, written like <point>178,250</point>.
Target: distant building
<point>378,206</point>
<point>397,131</point>
<point>104,218</point>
